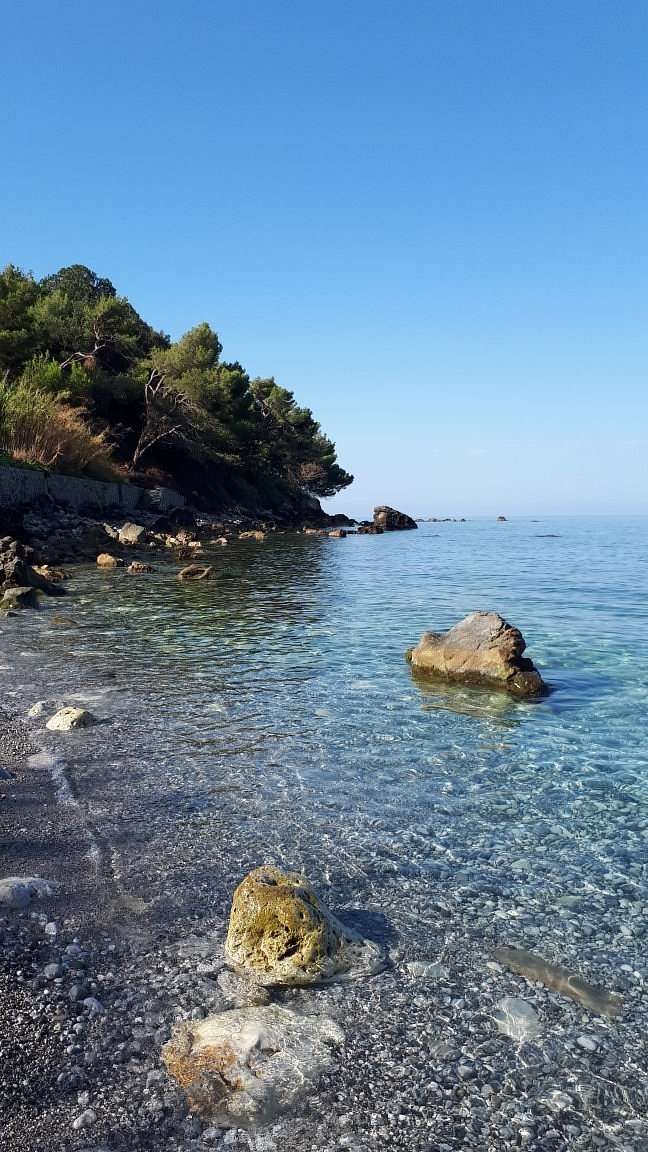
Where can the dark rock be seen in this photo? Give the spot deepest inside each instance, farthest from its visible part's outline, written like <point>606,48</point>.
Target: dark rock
<point>390,520</point>
<point>14,598</point>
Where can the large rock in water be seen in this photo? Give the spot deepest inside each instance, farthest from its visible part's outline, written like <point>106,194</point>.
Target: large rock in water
<point>18,598</point>
<point>281,933</point>
<point>243,1067</point>
<point>392,521</point>
<point>68,718</point>
<point>482,649</point>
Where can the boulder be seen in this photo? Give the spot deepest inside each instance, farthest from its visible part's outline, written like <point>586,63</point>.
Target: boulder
<point>370,530</point>
<point>50,573</point>
<point>256,535</point>
<point>390,520</point>
<point>18,598</point>
<point>482,649</point>
<point>67,718</point>
<point>131,534</point>
<point>245,1066</point>
<point>19,891</point>
<point>106,560</point>
<point>138,568</point>
<point>338,534</point>
<point>16,572</point>
<point>281,933</point>
<point>195,572</point>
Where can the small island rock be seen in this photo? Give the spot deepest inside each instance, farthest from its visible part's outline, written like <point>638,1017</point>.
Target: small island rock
<point>67,718</point>
<point>390,520</point>
<point>482,649</point>
<point>281,933</point>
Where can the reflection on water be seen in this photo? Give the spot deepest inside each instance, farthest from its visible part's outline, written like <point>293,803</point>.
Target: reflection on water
<point>269,714</point>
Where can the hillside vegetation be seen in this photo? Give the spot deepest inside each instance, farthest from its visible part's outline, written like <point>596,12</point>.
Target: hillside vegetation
<point>87,387</point>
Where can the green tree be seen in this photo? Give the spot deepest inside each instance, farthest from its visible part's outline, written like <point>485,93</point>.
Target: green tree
<point>18,341</point>
<point>78,283</point>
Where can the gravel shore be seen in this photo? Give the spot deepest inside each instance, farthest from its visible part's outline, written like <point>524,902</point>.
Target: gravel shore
<point>88,999</point>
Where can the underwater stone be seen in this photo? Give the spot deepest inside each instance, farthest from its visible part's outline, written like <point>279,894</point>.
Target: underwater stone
<point>244,1066</point>
<point>19,891</point>
<point>559,979</point>
<point>481,649</point>
<point>195,572</point>
<point>517,1019</point>
<point>281,933</point>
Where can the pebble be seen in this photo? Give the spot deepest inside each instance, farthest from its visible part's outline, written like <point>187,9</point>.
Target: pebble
<point>85,1120</point>
<point>587,1042</point>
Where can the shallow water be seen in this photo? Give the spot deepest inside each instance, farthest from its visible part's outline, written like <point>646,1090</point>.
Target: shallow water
<point>269,715</point>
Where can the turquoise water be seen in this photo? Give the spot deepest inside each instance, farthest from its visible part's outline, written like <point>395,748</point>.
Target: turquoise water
<point>283,682</point>
<point>269,715</point>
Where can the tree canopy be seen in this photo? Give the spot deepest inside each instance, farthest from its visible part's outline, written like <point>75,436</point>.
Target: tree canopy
<point>70,344</point>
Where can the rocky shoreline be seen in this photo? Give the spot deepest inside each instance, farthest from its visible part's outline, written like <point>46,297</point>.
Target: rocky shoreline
<point>449,1046</point>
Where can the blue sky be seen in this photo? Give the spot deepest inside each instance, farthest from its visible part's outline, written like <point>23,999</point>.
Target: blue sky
<point>427,219</point>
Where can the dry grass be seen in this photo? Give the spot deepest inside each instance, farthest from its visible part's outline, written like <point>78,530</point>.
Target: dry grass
<point>37,428</point>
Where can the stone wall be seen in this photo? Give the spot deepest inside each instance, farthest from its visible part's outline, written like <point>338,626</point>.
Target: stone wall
<point>22,487</point>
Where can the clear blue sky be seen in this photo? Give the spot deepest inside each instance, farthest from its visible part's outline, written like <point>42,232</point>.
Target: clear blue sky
<point>428,219</point>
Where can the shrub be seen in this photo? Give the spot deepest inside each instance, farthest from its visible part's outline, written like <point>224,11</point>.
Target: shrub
<point>38,428</point>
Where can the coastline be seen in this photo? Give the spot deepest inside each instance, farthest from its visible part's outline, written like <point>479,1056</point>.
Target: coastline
<point>430,1077</point>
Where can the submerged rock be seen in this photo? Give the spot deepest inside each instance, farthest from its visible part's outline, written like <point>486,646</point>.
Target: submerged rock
<point>247,1065</point>
<point>252,535</point>
<point>390,520</point>
<point>195,572</point>
<point>67,718</point>
<point>281,933</point>
<point>19,891</point>
<point>559,979</point>
<point>517,1019</point>
<point>482,649</point>
<point>138,568</point>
